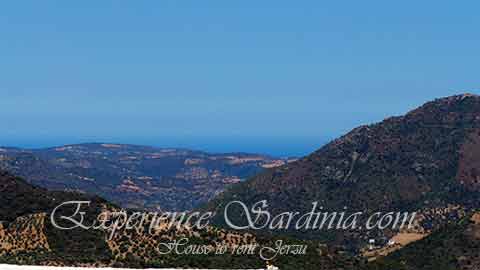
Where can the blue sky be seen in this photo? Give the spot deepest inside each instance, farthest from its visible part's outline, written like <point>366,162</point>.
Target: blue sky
<point>280,77</point>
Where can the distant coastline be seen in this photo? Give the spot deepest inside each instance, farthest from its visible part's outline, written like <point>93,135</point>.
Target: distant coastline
<point>278,147</point>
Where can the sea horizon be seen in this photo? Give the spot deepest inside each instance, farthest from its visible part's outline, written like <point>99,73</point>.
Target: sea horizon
<point>272,146</point>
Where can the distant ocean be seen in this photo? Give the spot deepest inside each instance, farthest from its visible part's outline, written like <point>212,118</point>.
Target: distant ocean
<point>274,146</point>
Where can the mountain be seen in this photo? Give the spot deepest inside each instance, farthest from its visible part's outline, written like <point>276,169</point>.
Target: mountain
<point>425,161</point>
<point>454,247</point>
<point>135,176</point>
<point>28,237</point>
<point>26,234</point>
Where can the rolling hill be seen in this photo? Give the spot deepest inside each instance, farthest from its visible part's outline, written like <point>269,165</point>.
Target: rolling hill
<point>135,176</point>
<point>28,237</point>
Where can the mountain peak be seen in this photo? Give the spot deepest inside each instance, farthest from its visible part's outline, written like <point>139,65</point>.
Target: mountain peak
<point>427,158</point>
<point>456,98</point>
<point>453,109</point>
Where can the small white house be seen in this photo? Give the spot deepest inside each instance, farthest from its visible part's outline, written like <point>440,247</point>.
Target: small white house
<point>272,267</point>
<point>371,244</point>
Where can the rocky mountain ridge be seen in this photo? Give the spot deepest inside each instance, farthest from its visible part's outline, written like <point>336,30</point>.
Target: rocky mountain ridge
<point>420,162</point>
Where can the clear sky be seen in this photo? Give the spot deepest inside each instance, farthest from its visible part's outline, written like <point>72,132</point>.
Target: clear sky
<point>280,77</point>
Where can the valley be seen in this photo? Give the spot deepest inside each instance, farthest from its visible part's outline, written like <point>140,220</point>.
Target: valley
<point>423,162</point>
<point>133,176</point>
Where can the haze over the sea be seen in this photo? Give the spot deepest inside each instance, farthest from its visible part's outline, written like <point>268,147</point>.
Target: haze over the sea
<point>277,77</point>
